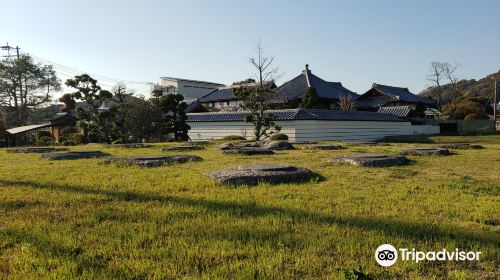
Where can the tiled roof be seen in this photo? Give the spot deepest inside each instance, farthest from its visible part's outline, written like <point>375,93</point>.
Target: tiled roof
<point>296,88</point>
<point>371,102</point>
<point>433,112</point>
<point>295,114</point>
<point>192,106</point>
<point>399,93</point>
<point>388,94</point>
<point>220,94</point>
<point>398,111</point>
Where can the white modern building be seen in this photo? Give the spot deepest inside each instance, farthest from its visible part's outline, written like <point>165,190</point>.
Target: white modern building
<point>190,89</point>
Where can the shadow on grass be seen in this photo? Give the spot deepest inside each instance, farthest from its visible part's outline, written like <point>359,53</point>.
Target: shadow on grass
<point>407,139</point>
<point>19,204</point>
<point>76,254</point>
<point>395,228</point>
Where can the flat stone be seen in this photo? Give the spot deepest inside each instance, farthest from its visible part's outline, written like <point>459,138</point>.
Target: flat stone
<point>461,146</point>
<point>425,151</point>
<point>197,142</point>
<point>248,151</point>
<point>278,145</point>
<point>226,146</point>
<point>152,161</point>
<point>370,160</point>
<point>266,167</point>
<point>183,148</point>
<point>36,150</point>
<point>323,147</point>
<point>241,144</point>
<point>70,155</point>
<point>253,174</point>
<point>131,145</point>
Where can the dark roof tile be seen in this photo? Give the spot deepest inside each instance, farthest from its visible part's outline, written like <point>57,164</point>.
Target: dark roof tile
<point>399,93</point>
<point>295,114</point>
<point>296,88</point>
<point>398,111</point>
<point>220,94</point>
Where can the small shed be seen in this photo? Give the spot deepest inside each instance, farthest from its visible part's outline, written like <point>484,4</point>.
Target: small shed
<point>26,135</point>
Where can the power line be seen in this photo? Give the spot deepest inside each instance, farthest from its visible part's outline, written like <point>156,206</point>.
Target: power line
<point>72,70</point>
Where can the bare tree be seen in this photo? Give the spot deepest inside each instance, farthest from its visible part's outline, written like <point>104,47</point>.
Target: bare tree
<point>121,92</point>
<point>347,103</point>
<point>436,78</point>
<point>449,70</point>
<point>256,98</point>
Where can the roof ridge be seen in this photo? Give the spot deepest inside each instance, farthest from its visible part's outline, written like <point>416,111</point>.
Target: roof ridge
<point>307,111</point>
<point>307,78</point>
<point>375,84</point>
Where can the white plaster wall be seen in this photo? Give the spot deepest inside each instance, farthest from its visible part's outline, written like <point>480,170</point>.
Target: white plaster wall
<point>425,129</point>
<point>217,130</point>
<point>307,130</point>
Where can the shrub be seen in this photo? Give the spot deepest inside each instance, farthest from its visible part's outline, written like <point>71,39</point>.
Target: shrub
<point>233,137</point>
<point>77,138</point>
<point>62,139</point>
<point>69,143</point>
<point>472,116</point>
<point>43,133</point>
<point>45,141</point>
<point>279,136</point>
<point>117,142</point>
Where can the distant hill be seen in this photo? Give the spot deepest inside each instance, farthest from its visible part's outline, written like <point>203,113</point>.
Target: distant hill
<point>483,88</point>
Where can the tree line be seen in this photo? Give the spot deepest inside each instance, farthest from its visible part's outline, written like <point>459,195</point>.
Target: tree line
<point>121,116</point>
<point>105,116</point>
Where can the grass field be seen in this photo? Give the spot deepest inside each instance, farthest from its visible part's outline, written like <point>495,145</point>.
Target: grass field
<point>80,218</point>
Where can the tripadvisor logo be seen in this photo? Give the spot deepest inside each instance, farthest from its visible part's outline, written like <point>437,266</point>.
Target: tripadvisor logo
<point>387,255</point>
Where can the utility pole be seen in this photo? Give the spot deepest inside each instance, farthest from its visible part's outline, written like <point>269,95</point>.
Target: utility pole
<point>495,103</point>
<point>8,48</point>
<point>21,95</point>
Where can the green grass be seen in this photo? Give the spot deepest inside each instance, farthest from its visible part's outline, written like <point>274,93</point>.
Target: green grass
<point>83,219</point>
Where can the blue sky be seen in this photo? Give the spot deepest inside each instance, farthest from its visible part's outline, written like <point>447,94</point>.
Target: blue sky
<point>355,42</point>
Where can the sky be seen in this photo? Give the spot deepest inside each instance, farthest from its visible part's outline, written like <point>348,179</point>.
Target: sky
<point>353,42</point>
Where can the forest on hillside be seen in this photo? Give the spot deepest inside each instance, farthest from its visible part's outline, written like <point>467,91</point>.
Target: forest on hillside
<point>474,97</point>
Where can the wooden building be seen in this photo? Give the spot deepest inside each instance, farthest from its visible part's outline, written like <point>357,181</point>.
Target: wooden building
<point>388,96</point>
